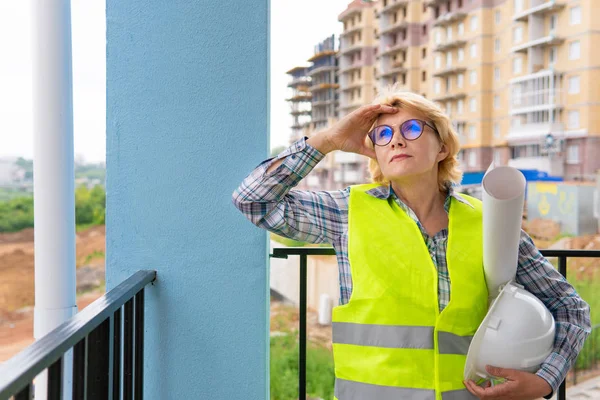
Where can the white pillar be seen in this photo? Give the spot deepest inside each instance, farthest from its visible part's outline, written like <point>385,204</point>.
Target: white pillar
<point>54,202</point>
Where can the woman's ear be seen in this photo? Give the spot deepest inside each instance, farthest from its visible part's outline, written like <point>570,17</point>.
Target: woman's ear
<point>443,153</point>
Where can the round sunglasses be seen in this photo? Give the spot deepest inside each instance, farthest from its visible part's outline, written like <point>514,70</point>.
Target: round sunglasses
<point>410,129</point>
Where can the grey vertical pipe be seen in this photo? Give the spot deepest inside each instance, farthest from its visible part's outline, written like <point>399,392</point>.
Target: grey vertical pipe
<point>53,169</point>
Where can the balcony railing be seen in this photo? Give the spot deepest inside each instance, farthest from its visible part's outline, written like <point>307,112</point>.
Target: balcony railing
<point>304,252</point>
<point>92,334</point>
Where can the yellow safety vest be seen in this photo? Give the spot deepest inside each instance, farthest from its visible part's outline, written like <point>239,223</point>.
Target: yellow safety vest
<point>391,341</point>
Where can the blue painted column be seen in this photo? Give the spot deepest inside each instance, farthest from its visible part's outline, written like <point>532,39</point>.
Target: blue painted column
<point>187,119</point>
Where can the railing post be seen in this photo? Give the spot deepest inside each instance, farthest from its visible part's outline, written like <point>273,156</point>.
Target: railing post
<point>302,356</point>
<point>139,346</point>
<point>562,268</point>
<point>98,349</point>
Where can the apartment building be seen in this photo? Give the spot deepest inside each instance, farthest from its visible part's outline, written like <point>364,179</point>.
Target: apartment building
<point>358,85</point>
<point>300,100</point>
<point>519,78</point>
<point>324,83</point>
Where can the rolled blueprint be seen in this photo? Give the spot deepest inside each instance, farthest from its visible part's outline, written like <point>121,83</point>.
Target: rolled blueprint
<point>503,196</point>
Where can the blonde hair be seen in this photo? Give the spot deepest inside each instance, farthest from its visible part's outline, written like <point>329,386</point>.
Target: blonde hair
<point>448,169</point>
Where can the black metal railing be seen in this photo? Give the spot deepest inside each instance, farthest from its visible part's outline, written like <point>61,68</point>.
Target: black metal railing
<point>107,334</point>
<point>304,252</point>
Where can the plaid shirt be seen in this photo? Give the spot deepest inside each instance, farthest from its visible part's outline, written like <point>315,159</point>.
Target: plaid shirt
<point>322,217</point>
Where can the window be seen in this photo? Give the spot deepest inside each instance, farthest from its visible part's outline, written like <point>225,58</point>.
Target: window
<point>424,76</point>
<point>461,29</point>
<point>424,52</point>
<point>516,95</point>
<point>448,84</point>
<point>574,84</point>
<point>473,50</point>
<point>574,50</point>
<point>449,33</point>
<point>497,73</point>
<point>438,61</point>
<point>497,157</point>
<point>460,80</point>
<point>471,132</point>
<point>517,34</point>
<point>573,154</point>
<point>437,86</point>
<point>552,56</point>
<point>496,101</point>
<point>496,131</point>
<point>472,158</point>
<point>474,23</point>
<point>517,65</point>
<point>460,106</point>
<point>473,77</point>
<point>473,104</point>
<point>575,15</point>
<point>553,21</point>
<point>497,16</point>
<point>449,108</point>
<point>518,6</point>
<point>448,59</point>
<point>497,45</point>
<point>573,119</point>
<point>461,54</point>
<point>424,29</point>
<point>438,36</point>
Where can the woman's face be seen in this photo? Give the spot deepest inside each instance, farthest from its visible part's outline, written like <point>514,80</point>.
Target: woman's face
<point>401,158</point>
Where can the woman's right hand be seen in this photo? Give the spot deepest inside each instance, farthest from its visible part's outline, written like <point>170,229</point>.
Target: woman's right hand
<point>349,134</point>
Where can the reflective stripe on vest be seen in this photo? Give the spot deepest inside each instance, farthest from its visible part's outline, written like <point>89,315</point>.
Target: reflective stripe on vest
<point>390,341</point>
<point>407,337</point>
<point>348,390</point>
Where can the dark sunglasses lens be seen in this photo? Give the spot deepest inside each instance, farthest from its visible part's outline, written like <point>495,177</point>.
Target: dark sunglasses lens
<point>382,135</point>
<point>412,129</point>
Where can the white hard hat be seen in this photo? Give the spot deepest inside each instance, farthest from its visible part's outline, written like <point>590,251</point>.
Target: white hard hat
<point>517,333</point>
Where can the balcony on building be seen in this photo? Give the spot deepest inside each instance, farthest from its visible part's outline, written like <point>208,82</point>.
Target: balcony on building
<point>392,49</point>
<point>395,68</point>
<point>450,45</point>
<point>323,86</point>
<point>321,69</point>
<point>542,7</point>
<point>537,92</point>
<point>352,85</point>
<point>455,69</point>
<point>434,3</point>
<point>322,103</point>
<point>393,27</point>
<point>346,67</point>
<point>299,81</point>
<point>390,6</point>
<point>351,30</point>
<point>449,18</point>
<point>449,96</point>
<point>549,40</point>
<point>353,48</point>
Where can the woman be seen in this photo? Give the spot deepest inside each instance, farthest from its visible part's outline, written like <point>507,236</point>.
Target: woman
<point>398,242</point>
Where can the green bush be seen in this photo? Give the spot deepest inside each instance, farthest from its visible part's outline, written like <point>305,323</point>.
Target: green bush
<point>284,369</point>
<point>17,214</point>
<point>589,290</point>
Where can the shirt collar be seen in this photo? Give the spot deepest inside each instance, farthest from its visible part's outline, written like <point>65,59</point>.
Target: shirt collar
<point>384,192</point>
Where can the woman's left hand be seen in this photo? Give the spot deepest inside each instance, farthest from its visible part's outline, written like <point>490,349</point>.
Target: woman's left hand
<point>519,385</point>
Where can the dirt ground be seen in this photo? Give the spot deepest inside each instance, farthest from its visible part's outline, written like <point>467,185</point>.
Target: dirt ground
<point>17,283</point>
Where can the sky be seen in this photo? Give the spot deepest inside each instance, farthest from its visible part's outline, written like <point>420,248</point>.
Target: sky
<point>296,27</point>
